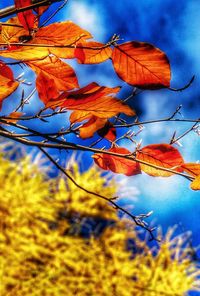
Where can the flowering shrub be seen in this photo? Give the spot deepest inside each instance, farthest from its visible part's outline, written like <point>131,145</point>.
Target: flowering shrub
<point>46,248</point>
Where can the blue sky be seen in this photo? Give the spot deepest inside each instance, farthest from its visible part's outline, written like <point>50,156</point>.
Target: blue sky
<point>173,26</point>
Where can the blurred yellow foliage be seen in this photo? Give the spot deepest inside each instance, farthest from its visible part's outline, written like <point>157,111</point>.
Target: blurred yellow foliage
<point>44,251</point>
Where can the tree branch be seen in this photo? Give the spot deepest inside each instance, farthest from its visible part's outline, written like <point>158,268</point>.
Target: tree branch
<point>139,220</point>
<point>10,10</point>
<point>156,121</point>
<point>62,144</point>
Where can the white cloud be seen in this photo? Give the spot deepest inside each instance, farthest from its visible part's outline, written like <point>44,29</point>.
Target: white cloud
<point>87,17</point>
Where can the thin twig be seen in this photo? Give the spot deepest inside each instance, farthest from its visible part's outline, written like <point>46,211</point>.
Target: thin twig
<point>22,103</point>
<point>184,87</point>
<point>72,45</point>
<point>54,13</point>
<point>156,121</point>
<point>60,144</point>
<point>175,140</point>
<point>136,219</point>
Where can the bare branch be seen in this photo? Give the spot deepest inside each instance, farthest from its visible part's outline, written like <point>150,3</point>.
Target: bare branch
<point>156,121</point>
<point>54,13</point>
<point>10,10</point>
<point>61,144</point>
<point>139,220</point>
<point>175,140</point>
<point>184,87</point>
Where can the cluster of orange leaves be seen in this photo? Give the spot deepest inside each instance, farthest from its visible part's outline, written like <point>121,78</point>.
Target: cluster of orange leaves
<point>137,63</point>
<point>157,160</point>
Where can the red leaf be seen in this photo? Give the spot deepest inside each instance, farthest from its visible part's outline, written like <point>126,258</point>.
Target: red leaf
<point>6,71</point>
<point>142,65</point>
<point>26,18</point>
<point>117,164</point>
<point>7,83</point>
<point>46,87</point>
<point>162,155</point>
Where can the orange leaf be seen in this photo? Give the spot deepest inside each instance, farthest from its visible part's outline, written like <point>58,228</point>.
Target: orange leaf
<point>92,100</point>
<point>102,107</point>
<point>89,128</point>
<point>14,117</point>
<point>46,87</point>
<point>78,116</point>
<point>65,33</point>
<point>104,128</point>
<point>108,131</point>
<point>142,65</point>
<point>60,75</point>
<point>95,90</point>
<point>117,164</point>
<point>92,52</point>
<point>7,83</point>
<point>91,90</point>
<point>25,53</point>
<point>12,31</point>
<point>192,169</point>
<point>58,34</point>
<point>26,17</point>
<point>162,155</point>
<point>195,185</point>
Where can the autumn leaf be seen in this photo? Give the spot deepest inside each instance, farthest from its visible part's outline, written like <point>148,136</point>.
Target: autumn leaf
<point>26,17</point>
<point>12,30</point>
<point>23,53</point>
<point>79,116</point>
<point>88,129</point>
<point>13,117</point>
<point>61,34</point>
<point>102,107</point>
<point>6,71</point>
<point>95,104</point>
<point>57,34</point>
<point>162,155</point>
<point>108,131</point>
<point>191,168</point>
<point>95,124</point>
<point>59,75</point>
<point>117,164</point>
<point>91,90</point>
<point>141,65</point>
<point>195,185</point>
<point>92,52</point>
<point>7,83</point>
<point>46,87</point>
<point>91,100</point>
